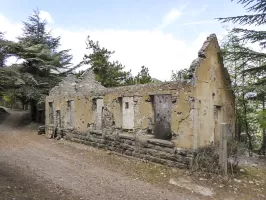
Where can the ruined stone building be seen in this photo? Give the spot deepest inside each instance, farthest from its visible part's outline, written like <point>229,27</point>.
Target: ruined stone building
<point>161,122</point>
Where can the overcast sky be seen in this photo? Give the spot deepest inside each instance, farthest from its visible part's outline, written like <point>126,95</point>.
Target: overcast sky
<point>163,35</point>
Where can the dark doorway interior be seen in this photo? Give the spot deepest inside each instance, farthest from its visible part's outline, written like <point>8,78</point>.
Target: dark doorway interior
<point>162,113</point>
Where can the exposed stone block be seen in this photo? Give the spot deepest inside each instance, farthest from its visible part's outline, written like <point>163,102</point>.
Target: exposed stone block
<point>129,142</point>
<point>128,152</point>
<point>110,137</point>
<point>163,143</point>
<point>125,146</point>
<point>165,149</point>
<point>97,132</point>
<point>127,136</point>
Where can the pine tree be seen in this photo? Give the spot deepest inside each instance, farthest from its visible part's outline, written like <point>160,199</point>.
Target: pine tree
<point>5,49</point>
<point>257,18</point>
<point>9,77</point>
<point>35,32</point>
<point>2,56</point>
<point>245,86</point>
<point>143,76</point>
<point>109,73</point>
<point>44,65</point>
<point>251,58</point>
<point>180,75</point>
<point>44,47</point>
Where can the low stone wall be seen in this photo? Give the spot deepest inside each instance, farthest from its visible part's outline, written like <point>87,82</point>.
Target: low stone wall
<point>154,150</point>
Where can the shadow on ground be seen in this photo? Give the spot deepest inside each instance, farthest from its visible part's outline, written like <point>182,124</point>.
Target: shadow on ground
<point>3,114</point>
<point>14,118</point>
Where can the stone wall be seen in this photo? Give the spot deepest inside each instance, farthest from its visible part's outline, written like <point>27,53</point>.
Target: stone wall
<point>214,98</point>
<point>145,147</point>
<point>140,120</point>
<point>191,116</point>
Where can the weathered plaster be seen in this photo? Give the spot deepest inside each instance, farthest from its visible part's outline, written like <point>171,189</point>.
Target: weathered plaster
<point>99,113</point>
<point>128,113</point>
<point>212,91</point>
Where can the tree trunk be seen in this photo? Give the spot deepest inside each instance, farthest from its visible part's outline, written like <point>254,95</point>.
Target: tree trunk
<point>263,145</point>
<point>237,123</point>
<point>245,113</point>
<point>246,123</point>
<point>263,130</point>
<point>238,130</point>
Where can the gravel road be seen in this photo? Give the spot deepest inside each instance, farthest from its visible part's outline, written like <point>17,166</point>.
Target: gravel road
<point>34,167</point>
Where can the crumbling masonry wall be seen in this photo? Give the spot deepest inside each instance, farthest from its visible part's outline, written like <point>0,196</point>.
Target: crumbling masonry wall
<point>214,98</point>
<point>186,113</point>
<point>85,112</point>
<point>148,148</point>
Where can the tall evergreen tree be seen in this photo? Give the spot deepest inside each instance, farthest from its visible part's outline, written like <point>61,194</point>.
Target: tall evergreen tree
<point>37,38</point>
<point>180,75</point>
<point>109,73</point>
<point>254,61</point>
<point>143,76</point>
<point>257,8</point>
<point>2,41</point>
<point>5,49</point>
<point>9,76</point>
<point>44,65</point>
<point>35,32</point>
<point>240,84</point>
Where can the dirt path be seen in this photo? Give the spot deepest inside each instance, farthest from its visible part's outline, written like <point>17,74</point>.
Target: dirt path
<point>33,167</point>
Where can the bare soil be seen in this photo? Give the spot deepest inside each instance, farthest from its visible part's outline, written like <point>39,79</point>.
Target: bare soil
<point>34,167</point>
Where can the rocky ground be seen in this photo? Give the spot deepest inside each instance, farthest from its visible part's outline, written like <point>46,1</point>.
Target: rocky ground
<point>34,167</point>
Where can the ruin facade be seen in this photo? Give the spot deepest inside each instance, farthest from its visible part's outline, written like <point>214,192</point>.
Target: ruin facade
<point>161,122</point>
